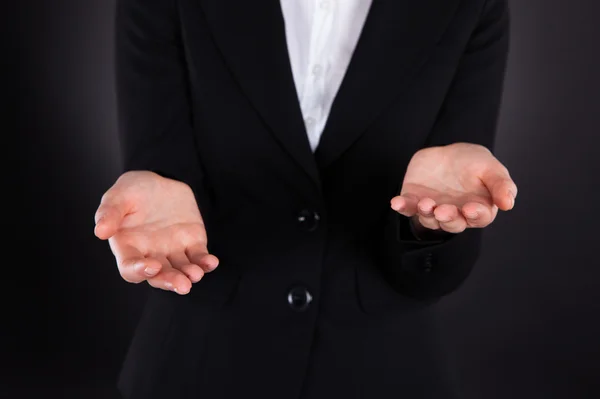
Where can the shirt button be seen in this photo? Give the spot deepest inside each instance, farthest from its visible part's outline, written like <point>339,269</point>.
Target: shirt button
<point>308,220</point>
<point>317,70</point>
<point>325,5</point>
<point>309,121</point>
<point>299,299</point>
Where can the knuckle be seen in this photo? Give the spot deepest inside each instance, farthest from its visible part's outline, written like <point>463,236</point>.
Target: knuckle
<point>428,222</point>
<point>130,239</point>
<point>182,186</point>
<point>104,199</point>
<point>197,230</point>
<point>480,222</point>
<point>154,283</point>
<point>197,233</point>
<point>129,273</point>
<point>128,278</point>
<point>107,196</point>
<point>453,228</point>
<point>126,240</point>
<point>127,175</point>
<point>181,235</point>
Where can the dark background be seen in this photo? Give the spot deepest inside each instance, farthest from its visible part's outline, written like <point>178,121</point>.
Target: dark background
<point>525,325</point>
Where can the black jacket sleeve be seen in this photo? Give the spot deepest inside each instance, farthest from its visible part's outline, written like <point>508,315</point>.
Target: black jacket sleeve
<point>153,99</point>
<point>432,269</point>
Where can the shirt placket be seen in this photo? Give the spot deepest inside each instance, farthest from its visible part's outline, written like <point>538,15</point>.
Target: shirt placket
<point>313,106</point>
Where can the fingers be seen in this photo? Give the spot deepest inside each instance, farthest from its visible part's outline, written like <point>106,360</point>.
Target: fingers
<point>405,205</point>
<point>411,206</point>
<point>174,273</point>
<point>170,278</point>
<point>478,215</point>
<point>181,270</point>
<point>446,217</point>
<point>502,188</point>
<point>198,255</point>
<point>133,266</point>
<point>450,218</point>
<point>425,209</point>
<point>180,261</point>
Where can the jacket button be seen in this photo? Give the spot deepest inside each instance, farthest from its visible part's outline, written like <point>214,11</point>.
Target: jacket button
<point>428,262</point>
<point>299,299</point>
<point>308,220</point>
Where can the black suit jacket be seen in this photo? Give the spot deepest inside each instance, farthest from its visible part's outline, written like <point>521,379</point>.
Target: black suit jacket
<point>206,96</point>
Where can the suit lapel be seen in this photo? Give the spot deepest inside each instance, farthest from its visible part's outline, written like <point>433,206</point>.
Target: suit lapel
<point>251,37</point>
<point>395,41</point>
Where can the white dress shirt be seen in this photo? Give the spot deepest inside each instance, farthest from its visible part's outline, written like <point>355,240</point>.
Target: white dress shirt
<point>321,37</point>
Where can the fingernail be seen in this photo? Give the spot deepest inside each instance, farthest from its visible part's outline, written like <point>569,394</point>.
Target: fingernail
<point>213,267</point>
<point>168,285</point>
<point>472,215</point>
<point>150,271</point>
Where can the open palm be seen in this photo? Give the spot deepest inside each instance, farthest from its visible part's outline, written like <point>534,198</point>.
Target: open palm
<point>454,187</point>
<point>155,230</point>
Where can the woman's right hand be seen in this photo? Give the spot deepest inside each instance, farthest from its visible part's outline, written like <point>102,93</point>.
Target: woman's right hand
<point>155,231</point>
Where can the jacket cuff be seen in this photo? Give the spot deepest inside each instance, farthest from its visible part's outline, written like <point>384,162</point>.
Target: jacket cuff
<point>427,269</point>
<point>412,233</point>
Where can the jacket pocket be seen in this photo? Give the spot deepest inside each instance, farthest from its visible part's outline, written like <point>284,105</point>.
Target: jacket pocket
<point>376,295</point>
<point>169,341</point>
<point>217,287</point>
<point>147,348</point>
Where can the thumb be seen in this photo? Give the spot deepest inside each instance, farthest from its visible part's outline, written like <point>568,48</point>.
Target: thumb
<point>109,217</point>
<point>501,187</point>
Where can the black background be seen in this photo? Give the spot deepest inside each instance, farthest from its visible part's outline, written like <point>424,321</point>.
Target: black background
<point>525,325</point>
